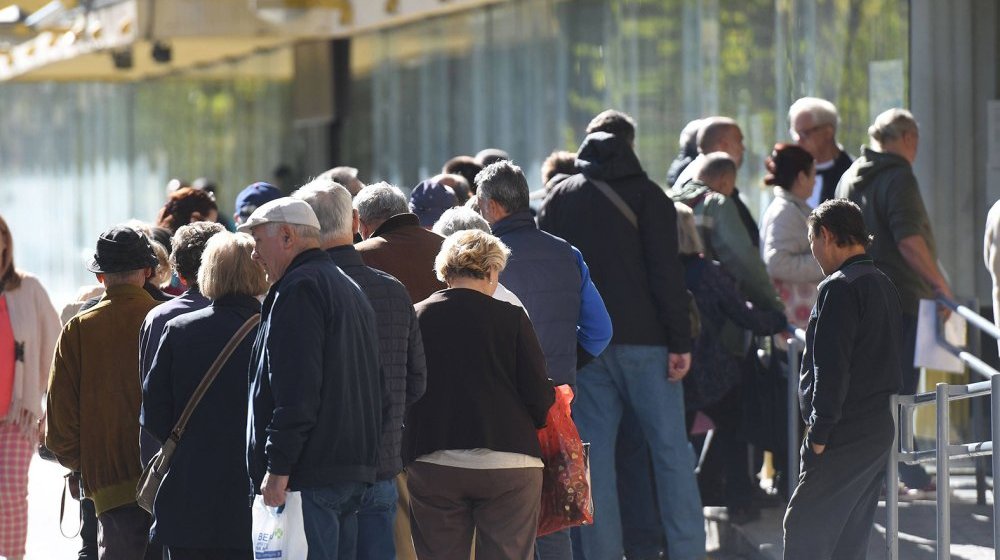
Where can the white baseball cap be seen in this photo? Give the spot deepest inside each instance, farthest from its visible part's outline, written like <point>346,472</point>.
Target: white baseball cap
<point>285,210</point>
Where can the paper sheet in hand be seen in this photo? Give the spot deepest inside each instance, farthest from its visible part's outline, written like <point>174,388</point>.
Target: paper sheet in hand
<point>930,353</point>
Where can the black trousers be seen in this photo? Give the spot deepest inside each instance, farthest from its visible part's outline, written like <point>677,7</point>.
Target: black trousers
<point>174,553</point>
<point>830,515</point>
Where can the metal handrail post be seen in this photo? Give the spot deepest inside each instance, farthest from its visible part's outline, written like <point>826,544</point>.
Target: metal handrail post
<point>995,421</point>
<point>792,393</point>
<point>943,474</point>
<point>892,487</point>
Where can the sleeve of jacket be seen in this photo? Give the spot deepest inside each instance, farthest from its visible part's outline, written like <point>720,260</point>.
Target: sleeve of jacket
<point>738,255</point>
<point>62,416</point>
<point>295,362</point>
<point>593,328</point>
<point>533,384</point>
<point>658,235</point>
<point>760,321</point>
<point>782,249</point>
<point>837,319</point>
<point>49,327</point>
<point>147,348</point>
<point>156,414</point>
<point>416,365</point>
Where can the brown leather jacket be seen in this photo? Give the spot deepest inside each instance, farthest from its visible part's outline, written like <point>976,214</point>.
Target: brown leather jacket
<point>402,248</point>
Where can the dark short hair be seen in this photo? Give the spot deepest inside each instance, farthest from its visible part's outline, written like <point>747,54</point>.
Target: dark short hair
<point>466,166</point>
<point>558,162</point>
<point>843,219</point>
<point>189,243</point>
<point>613,122</point>
<point>785,164</point>
<point>504,183</point>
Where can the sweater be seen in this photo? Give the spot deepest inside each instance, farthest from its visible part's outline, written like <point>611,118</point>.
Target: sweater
<point>486,382</point>
<point>94,396</point>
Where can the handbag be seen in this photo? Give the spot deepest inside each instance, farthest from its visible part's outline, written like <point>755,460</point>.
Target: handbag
<point>566,498</point>
<point>154,473</point>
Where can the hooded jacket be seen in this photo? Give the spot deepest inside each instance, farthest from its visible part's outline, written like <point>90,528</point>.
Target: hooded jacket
<point>637,271</point>
<point>884,186</point>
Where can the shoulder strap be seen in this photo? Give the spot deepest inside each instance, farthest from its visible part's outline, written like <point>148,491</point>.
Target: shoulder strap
<point>213,371</point>
<point>617,200</point>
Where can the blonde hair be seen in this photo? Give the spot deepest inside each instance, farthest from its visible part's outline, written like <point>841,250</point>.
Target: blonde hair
<point>470,254</point>
<point>228,268</point>
<point>10,277</point>
<point>688,239</point>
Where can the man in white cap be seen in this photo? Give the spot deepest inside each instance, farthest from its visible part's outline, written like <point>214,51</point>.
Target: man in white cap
<point>315,396</point>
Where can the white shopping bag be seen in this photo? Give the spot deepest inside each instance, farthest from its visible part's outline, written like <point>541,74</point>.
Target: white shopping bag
<point>929,352</point>
<point>279,532</point>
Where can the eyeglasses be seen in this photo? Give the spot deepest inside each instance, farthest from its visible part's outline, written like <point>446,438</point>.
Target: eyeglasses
<point>799,135</point>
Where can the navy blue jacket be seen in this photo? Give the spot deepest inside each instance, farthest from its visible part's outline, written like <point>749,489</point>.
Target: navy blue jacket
<point>549,277</point>
<point>203,500</point>
<point>316,390</point>
<point>401,351</point>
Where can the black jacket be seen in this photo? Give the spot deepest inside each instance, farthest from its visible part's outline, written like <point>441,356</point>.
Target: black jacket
<point>486,383</point>
<point>832,176</point>
<point>851,364</point>
<point>316,391</point>
<point>211,457</point>
<point>401,351</point>
<point>638,273</point>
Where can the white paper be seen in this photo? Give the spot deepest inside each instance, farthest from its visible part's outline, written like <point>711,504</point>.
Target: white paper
<point>930,353</point>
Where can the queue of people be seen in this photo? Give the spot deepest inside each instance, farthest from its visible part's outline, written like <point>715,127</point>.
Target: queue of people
<point>407,350</point>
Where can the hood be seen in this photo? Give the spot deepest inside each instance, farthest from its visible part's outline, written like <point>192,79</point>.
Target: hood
<point>871,163</point>
<point>607,157</point>
<point>690,193</point>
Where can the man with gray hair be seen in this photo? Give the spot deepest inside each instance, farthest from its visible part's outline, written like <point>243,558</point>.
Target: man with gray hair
<point>401,360</point>
<point>813,124</point>
<point>552,280</point>
<point>882,183</point>
<point>394,242</point>
<point>315,387</point>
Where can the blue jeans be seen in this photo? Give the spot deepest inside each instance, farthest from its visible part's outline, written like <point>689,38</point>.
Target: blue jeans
<point>636,376</point>
<point>328,514</point>
<point>374,519</point>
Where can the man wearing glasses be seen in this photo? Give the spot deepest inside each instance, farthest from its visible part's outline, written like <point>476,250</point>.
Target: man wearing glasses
<point>814,128</point>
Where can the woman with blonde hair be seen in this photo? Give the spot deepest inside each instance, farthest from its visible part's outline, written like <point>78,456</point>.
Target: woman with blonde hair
<point>473,456</point>
<point>201,509</point>
<point>29,328</point>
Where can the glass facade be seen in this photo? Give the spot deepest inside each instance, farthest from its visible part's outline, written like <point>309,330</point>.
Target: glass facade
<point>76,158</point>
<point>528,75</point>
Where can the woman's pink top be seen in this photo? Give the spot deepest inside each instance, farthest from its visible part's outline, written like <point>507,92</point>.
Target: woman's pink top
<point>7,356</point>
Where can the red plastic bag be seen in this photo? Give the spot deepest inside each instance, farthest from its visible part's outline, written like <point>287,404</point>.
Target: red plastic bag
<point>566,500</point>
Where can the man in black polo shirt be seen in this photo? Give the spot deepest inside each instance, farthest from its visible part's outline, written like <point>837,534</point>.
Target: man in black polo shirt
<point>850,369</point>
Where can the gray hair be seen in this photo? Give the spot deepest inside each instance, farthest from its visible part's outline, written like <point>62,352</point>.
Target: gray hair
<point>891,125</point>
<point>504,183</point>
<point>346,176</point>
<point>822,111</point>
<point>688,239</point>
<point>458,219</point>
<point>379,202</point>
<point>189,243</point>
<point>712,131</point>
<point>331,202</point>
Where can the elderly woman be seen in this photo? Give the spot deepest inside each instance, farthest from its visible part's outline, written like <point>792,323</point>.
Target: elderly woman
<point>784,243</point>
<point>29,328</point>
<point>202,509</point>
<point>471,442</point>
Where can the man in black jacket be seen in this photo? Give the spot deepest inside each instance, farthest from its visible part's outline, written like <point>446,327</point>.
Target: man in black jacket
<point>628,236</point>
<point>401,358</point>
<point>850,369</point>
<point>315,393</point>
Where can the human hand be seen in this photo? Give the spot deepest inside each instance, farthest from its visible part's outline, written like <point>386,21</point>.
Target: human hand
<point>273,488</point>
<point>817,448</point>
<point>943,291</point>
<point>678,366</point>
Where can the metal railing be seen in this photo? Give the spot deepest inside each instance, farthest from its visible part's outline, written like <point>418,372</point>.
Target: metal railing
<point>796,345</point>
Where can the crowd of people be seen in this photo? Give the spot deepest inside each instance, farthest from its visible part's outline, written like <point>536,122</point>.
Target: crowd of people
<point>407,350</point>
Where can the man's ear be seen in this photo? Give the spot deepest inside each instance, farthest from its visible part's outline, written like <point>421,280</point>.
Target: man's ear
<point>355,221</point>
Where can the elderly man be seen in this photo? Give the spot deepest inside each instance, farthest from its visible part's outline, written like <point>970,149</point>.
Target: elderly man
<point>91,381</point>
<point>814,127</point>
<point>315,391</point>
<point>634,263</point>
<point>552,280</point>
<point>849,373</point>
<point>401,356</point>
<point>395,242</point>
<point>882,183</point>
<point>256,194</point>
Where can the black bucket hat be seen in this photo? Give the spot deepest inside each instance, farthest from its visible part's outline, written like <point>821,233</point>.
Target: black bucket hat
<point>121,249</point>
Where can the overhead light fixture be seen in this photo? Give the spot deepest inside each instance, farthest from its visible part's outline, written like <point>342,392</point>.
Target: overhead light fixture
<point>122,58</point>
<point>162,52</point>
<point>11,14</point>
<point>44,14</point>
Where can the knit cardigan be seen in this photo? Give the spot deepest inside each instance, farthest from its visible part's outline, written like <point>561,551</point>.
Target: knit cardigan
<point>36,326</point>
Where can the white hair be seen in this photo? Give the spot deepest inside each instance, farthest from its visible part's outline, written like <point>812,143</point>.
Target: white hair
<point>379,202</point>
<point>460,218</point>
<point>891,125</point>
<point>331,202</point>
<point>822,111</point>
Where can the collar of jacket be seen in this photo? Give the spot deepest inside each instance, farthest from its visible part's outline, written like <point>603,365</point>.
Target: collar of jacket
<point>305,256</point>
<point>396,222</point>
<point>785,194</point>
<point>126,291</point>
<point>856,259</point>
<point>518,220</point>
<point>237,300</point>
<point>345,256</point>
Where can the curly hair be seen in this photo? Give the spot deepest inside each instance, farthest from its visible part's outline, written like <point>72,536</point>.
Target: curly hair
<point>785,164</point>
<point>189,243</point>
<point>470,253</point>
<point>182,204</point>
